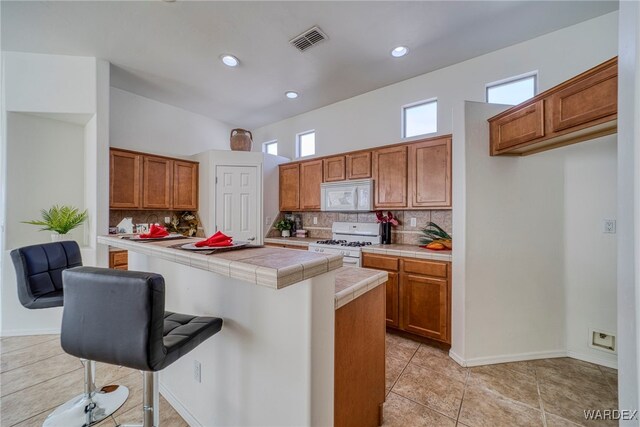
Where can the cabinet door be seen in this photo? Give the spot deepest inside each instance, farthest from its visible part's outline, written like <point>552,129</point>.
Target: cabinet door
<point>424,306</point>
<point>157,173</point>
<point>393,305</point>
<point>586,100</point>
<point>310,180</point>
<point>430,174</point>
<point>358,165</point>
<point>521,126</point>
<point>290,187</point>
<point>185,185</point>
<point>124,180</point>
<point>334,169</point>
<point>390,175</point>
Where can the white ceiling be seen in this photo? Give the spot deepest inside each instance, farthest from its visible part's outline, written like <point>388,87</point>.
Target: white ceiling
<point>169,51</point>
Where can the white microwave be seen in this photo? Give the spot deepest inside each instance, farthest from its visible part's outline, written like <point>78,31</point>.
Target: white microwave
<point>347,196</point>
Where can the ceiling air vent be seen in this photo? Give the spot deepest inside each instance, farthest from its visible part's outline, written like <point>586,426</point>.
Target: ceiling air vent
<point>307,39</point>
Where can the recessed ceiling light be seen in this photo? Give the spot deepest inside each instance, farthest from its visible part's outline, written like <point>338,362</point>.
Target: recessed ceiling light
<point>291,94</point>
<point>399,51</point>
<point>229,60</point>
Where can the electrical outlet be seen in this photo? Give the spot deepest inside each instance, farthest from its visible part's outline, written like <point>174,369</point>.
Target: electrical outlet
<point>167,219</point>
<point>197,371</point>
<point>315,220</point>
<point>413,222</point>
<point>609,226</point>
<point>267,220</point>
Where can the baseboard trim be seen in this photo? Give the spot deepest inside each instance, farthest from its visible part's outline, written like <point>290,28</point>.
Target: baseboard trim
<point>459,360</point>
<point>25,332</point>
<point>593,359</point>
<point>179,407</point>
<point>492,360</point>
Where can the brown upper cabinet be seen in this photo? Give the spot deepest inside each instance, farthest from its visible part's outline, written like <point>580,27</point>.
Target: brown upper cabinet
<point>579,109</point>
<point>415,175</point>
<point>124,183</point>
<point>144,181</point>
<point>358,165</point>
<point>157,174</point>
<point>310,180</point>
<point>430,173</point>
<point>390,177</point>
<point>334,169</point>
<point>185,185</point>
<point>290,187</point>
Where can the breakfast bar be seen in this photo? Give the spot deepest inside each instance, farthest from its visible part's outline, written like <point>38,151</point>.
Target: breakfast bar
<point>274,361</point>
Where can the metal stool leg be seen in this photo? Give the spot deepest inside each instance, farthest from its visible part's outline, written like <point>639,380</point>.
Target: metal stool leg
<point>90,407</point>
<point>151,400</point>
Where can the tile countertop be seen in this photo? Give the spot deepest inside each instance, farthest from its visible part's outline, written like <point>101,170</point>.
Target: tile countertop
<point>266,266</point>
<point>293,241</point>
<point>408,251</point>
<point>351,282</point>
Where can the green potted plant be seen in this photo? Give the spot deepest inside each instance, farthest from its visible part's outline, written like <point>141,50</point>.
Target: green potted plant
<point>61,220</point>
<point>284,225</point>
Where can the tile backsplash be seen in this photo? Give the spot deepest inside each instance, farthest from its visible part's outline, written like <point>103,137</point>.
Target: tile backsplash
<point>146,217</point>
<point>403,233</point>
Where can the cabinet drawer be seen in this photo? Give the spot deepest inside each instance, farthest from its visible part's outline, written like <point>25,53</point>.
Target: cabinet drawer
<point>380,262</point>
<point>119,258</point>
<point>427,268</point>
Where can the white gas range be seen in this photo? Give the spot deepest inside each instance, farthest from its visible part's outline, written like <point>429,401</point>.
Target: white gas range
<point>348,239</point>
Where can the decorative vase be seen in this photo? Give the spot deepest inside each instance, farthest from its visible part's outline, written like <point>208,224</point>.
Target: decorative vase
<point>57,237</point>
<point>386,233</point>
<point>286,233</point>
<point>241,140</point>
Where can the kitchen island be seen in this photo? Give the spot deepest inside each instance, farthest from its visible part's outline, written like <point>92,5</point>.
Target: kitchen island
<point>273,361</point>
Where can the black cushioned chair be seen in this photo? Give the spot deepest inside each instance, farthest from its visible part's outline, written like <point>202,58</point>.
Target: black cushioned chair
<point>39,277</point>
<point>127,307</point>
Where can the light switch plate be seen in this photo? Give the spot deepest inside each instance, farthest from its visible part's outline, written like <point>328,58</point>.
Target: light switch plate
<point>267,220</point>
<point>315,220</point>
<point>167,219</point>
<point>413,222</point>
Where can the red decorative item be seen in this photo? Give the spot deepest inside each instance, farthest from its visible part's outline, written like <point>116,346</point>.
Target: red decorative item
<point>218,240</point>
<point>155,232</point>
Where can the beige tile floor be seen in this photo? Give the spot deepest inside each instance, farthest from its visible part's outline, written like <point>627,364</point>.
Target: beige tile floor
<point>427,388</point>
<point>424,388</point>
<point>36,376</point>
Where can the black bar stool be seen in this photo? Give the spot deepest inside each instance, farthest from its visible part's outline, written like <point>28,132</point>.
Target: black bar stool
<point>118,317</point>
<point>39,276</point>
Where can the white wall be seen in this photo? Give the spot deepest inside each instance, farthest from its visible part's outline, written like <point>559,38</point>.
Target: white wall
<point>514,268</point>
<point>373,119</point>
<point>72,89</point>
<point>590,178</point>
<point>628,207</point>
<point>46,168</point>
<point>142,124</point>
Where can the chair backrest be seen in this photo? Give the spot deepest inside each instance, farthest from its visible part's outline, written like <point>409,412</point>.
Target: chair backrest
<point>114,316</point>
<point>39,270</point>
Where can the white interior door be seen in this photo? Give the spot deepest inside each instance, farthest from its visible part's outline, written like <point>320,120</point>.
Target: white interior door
<point>237,202</point>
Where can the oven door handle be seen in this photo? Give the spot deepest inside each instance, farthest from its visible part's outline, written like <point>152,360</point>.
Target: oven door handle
<point>350,261</point>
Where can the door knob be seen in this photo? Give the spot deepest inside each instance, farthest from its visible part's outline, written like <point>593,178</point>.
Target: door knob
<point>251,239</point>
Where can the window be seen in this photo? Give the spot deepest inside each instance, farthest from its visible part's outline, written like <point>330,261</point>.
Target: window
<point>306,144</point>
<point>512,91</point>
<point>420,118</point>
<point>270,147</point>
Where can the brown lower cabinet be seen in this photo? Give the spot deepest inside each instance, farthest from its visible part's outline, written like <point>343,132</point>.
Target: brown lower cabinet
<point>418,295</point>
<point>119,260</point>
